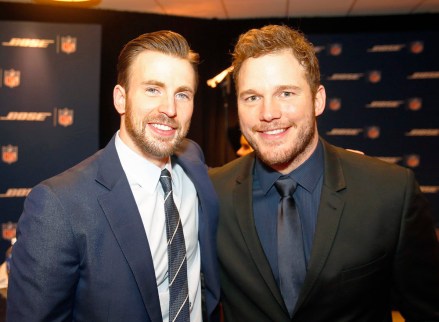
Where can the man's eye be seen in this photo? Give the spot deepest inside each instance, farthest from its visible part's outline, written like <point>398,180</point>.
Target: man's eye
<point>287,94</point>
<point>183,96</point>
<point>152,91</point>
<point>251,98</point>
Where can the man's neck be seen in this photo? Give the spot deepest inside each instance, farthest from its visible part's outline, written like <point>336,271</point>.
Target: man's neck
<point>293,164</point>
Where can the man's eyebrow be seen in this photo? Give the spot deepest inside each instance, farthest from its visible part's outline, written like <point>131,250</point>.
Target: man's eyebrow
<point>185,89</point>
<point>153,82</point>
<point>248,92</point>
<point>288,87</point>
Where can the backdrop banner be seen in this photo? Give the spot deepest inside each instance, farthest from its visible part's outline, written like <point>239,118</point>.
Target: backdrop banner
<point>49,107</point>
<point>383,99</point>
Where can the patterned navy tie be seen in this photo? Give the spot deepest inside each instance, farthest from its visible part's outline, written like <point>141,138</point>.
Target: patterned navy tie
<point>291,256</point>
<point>177,266</point>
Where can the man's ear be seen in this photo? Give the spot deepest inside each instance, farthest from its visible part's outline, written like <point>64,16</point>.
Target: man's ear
<point>320,101</point>
<point>119,99</point>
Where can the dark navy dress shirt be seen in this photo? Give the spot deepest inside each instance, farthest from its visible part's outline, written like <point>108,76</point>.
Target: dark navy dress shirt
<point>309,177</point>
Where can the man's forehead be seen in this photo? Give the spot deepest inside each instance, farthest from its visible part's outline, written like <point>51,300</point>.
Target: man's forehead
<point>155,67</point>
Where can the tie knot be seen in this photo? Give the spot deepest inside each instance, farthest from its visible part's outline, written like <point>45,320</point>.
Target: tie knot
<point>165,180</point>
<point>285,186</point>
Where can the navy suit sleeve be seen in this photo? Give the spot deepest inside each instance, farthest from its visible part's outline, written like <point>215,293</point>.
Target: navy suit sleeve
<point>44,262</point>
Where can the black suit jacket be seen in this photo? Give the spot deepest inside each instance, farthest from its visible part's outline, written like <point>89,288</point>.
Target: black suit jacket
<point>82,253</point>
<point>374,236</point>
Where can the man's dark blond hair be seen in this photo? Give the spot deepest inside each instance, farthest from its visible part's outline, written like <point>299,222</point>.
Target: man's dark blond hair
<point>164,41</point>
<point>273,38</point>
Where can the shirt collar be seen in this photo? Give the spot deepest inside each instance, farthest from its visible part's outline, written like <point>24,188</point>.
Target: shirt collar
<point>138,170</point>
<point>306,175</point>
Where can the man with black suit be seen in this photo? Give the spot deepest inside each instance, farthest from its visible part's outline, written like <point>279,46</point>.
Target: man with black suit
<point>350,235</point>
<point>92,242</point>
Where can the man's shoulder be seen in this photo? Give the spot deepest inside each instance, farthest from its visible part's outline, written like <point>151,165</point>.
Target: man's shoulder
<point>189,149</point>
<point>86,169</point>
<point>366,165</point>
<point>239,167</point>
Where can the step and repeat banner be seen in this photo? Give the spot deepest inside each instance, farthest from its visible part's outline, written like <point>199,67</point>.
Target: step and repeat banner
<point>49,107</point>
<point>383,99</point>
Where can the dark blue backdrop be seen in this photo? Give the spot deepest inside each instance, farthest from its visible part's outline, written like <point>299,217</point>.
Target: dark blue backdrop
<point>382,99</point>
<point>49,107</point>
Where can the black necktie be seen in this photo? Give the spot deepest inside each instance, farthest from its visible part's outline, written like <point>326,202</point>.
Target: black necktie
<point>291,257</point>
<point>177,266</point>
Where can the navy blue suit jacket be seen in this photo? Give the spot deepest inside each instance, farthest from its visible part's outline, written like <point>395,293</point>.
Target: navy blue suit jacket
<point>82,253</point>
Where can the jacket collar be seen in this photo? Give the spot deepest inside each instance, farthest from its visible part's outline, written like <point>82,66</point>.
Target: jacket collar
<point>120,209</point>
<point>329,214</point>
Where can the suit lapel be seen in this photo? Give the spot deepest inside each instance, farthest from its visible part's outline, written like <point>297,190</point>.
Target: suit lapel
<point>242,201</point>
<point>190,158</point>
<point>126,224</point>
<point>192,167</point>
<point>329,214</point>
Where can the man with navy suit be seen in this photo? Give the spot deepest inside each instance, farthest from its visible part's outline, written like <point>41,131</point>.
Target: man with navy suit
<point>366,239</point>
<point>91,242</point>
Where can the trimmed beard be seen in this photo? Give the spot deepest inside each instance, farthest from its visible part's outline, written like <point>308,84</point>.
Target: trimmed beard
<point>288,156</point>
<point>157,147</point>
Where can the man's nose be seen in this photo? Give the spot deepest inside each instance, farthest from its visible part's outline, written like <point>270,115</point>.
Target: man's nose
<point>168,106</point>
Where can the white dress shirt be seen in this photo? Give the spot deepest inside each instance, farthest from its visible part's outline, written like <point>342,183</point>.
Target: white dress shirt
<point>143,177</point>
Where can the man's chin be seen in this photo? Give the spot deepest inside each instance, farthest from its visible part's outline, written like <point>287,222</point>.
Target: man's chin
<point>272,158</point>
<point>166,148</point>
<point>164,152</point>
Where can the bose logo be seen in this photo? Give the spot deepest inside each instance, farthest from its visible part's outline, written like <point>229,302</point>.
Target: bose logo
<point>15,192</point>
<point>28,42</point>
<point>26,116</point>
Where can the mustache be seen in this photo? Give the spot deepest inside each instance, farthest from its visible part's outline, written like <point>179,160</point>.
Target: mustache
<point>162,119</point>
<point>276,125</point>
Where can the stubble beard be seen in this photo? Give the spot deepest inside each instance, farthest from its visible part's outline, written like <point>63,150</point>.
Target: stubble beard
<point>270,153</point>
<point>158,147</point>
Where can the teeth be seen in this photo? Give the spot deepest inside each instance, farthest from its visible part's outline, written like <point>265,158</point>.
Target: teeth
<point>162,127</point>
<point>275,131</point>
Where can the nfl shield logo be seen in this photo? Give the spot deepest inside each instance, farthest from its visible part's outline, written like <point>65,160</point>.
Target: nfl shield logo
<point>372,132</point>
<point>375,76</point>
<point>12,78</point>
<point>417,47</point>
<point>334,104</point>
<point>412,160</point>
<point>65,117</point>
<point>414,104</point>
<point>335,49</point>
<point>9,154</point>
<point>9,230</point>
<point>68,44</point>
